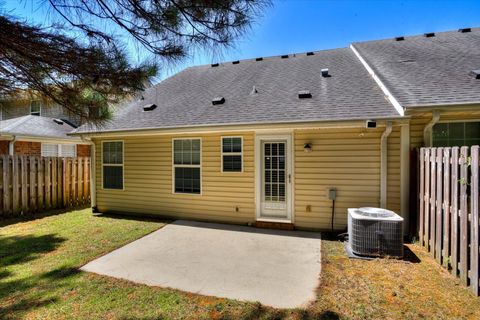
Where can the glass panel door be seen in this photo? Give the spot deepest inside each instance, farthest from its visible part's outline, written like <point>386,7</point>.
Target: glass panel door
<point>274,182</point>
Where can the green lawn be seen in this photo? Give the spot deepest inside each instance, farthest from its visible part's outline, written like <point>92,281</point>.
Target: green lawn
<point>39,279</point>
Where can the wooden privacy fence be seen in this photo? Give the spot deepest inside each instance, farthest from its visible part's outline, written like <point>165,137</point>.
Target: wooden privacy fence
<point>30,184</point>
<point>448,209</point>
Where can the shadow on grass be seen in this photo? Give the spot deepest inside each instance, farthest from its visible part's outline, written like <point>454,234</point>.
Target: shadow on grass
<point>34,216</point>
<point>133,217</point>
<point>21,249</point>
<point>410,256</point>
<point>13,311</point>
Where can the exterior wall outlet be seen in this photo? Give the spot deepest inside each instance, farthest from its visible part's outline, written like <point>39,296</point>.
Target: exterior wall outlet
<point>308,208</point>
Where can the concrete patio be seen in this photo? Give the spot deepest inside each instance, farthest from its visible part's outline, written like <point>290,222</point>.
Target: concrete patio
<point>276,268</point>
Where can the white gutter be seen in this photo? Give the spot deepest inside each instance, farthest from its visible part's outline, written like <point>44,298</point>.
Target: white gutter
<point>379,82</point>
<point>427,130</point>
<point>384,163</point>
<point>93,165</point>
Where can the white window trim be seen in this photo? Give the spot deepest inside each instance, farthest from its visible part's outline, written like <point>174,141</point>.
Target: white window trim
<point>186,166</point>
<point>59,149</point>
<point>230,153</point>
<point>114,165</point>
<point>450,121</point>
<point>40,111</point>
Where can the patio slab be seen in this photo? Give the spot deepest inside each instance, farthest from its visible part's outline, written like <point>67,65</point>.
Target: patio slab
<point>277,268</point>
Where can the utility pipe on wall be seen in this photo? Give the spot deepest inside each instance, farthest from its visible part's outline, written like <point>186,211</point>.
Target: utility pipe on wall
<point>11,146</point>
<point>384,163</point>
<point>427,130</point>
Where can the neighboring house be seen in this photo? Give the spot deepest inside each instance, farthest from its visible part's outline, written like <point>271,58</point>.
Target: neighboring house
<point>40,136</point>
<point>29,103</point>
<point>267,139</point>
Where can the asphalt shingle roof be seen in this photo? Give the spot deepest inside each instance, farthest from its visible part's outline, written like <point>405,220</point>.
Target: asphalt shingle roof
<point>36,126</point>
<point>185,99</point>
<point>423,70</point>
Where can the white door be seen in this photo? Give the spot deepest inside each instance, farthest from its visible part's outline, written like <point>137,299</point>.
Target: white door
<point>274,183</point>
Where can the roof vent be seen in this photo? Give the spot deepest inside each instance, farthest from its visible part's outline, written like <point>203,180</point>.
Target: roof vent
<point>58,121</point>
<point>142,98</point>
<point>465,30</point>
<point>259,59</point>
<point>325,73</point>
<point>236,62</point>
<point>304,94</point>
<point>254,91</point>
<point>218,100</point>
<point>285,56</point>
<point>475,73</point>
<point>149,107</point>
<point>215,64</point>
<point>429,34</point>
<point>399,38</point>
<point>310,53</point>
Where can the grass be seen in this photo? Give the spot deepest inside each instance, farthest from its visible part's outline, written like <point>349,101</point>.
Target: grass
<point>39,279</point>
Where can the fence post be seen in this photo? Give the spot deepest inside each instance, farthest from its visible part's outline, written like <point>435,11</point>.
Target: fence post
<point>6,184</point>
<point>474,232</point>
<point>463,215</point>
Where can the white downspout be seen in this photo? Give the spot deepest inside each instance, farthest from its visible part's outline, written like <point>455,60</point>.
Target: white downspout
<point>11,146</point>
<point>93,174</point>
<point>384,163</point>
<point>427,141</point>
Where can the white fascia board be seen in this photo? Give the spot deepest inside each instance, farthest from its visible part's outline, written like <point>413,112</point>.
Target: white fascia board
<point>379,82</point>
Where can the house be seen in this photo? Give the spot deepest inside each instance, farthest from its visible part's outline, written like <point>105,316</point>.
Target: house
<point>293,140</point>
<point>40,136</point>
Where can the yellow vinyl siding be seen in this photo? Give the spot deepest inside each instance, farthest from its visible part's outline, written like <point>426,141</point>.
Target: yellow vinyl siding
<point>148,181</point>
<point>420,120</point>
<point>347,159</point>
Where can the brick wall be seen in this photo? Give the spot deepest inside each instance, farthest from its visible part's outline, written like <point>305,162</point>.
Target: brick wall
<point>28,148</point>
<point>83,150</point>
<point>3,147</point>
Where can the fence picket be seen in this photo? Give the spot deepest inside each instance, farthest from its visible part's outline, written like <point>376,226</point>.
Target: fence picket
<point>33,185</point>
<point>15,186</point>
<point>433,190</point>
<point>474,223</point>
<point>422,192</point>
<point>454,211</point>
<point>438,205</point>
<point>446,207</point>
<point>426,197</point>
<point>6,185</point>
<point>54,183</point>
<point>463,216</point>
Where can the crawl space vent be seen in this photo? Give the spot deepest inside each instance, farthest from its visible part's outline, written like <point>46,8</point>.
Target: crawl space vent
<point>304,94</point>
<point>149,107</point>
<point>218,100</point>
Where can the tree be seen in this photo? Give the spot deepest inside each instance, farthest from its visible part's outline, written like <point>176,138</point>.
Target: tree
<point>79,61</point>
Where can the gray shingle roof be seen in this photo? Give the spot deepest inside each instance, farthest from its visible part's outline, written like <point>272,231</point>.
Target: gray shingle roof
<point>186,98</point>
<point>36,126</point>
<point>427,70</point>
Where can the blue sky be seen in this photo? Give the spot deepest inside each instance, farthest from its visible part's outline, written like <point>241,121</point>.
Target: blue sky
<point>292,26</point>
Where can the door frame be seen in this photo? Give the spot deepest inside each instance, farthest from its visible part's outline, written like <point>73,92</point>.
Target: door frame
<point>259,137</point>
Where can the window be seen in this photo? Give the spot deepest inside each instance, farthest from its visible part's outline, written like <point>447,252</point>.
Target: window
<point>35,108</point>
<point>232,154</point>
<point>59,150</point>
<point>186,166</point>
<point>112,164</point>
<point>453,134</point>
<point>49,150</point>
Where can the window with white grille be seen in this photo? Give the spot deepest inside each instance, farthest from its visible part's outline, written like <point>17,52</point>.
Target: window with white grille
<point>68,150</point>
<point>59,150</point>
<point>49,150</point>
